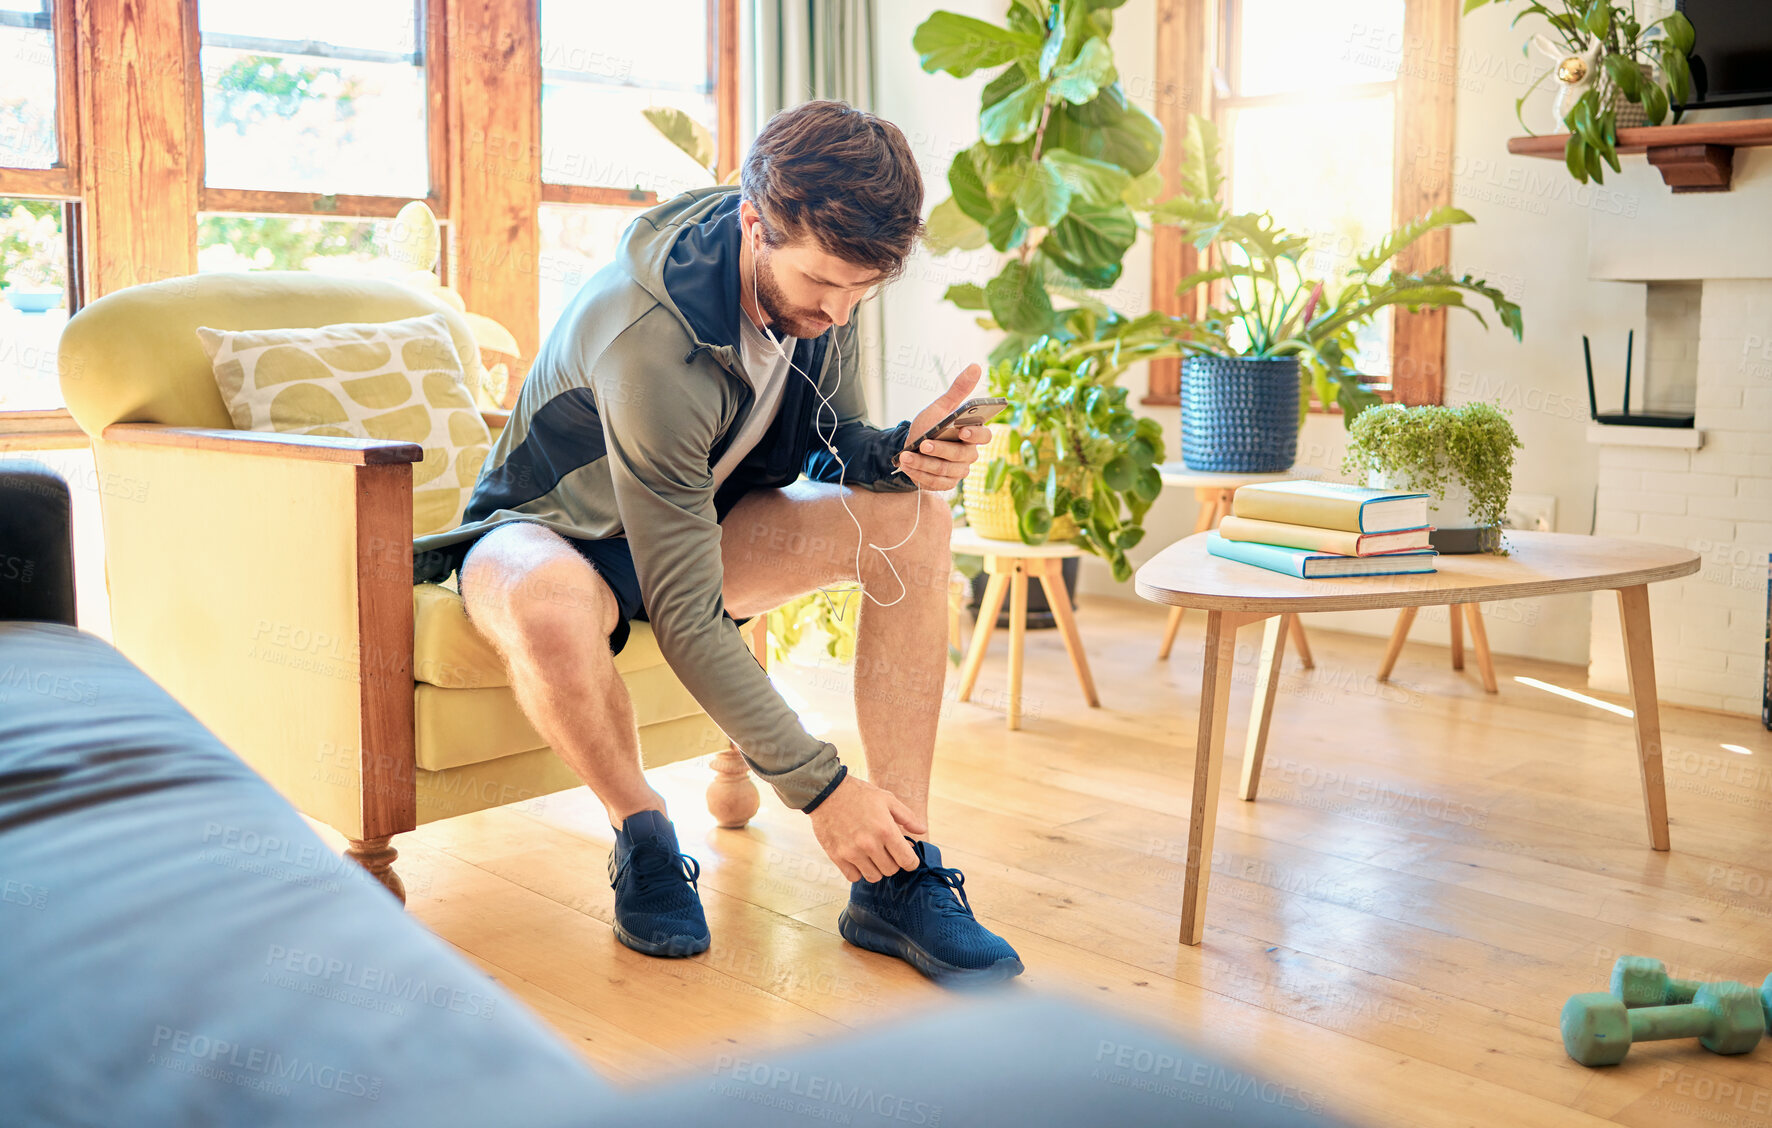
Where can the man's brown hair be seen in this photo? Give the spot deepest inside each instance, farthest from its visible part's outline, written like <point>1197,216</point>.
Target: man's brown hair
<point>843,177</point>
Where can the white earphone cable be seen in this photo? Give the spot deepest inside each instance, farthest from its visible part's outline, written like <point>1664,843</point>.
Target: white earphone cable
<point>861,540</point>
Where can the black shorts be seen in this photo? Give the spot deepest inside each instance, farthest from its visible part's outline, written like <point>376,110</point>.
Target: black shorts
<point>614,562</point>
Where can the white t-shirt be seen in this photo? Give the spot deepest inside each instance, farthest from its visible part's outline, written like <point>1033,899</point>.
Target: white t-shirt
<point>768,372</point>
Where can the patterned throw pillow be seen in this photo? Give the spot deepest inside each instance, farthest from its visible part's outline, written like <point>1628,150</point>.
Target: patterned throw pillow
<point>375,380</point>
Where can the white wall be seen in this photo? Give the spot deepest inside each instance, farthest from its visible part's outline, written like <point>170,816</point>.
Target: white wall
<point>1531,238</point>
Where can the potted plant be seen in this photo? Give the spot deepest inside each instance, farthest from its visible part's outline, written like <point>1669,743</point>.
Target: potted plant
<point>1611,70</point>
<point>1463,457</point>
<point>1277,336</point>
<point>1070,461</point>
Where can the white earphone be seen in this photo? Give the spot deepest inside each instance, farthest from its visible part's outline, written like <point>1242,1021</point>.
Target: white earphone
<point>829,444</point>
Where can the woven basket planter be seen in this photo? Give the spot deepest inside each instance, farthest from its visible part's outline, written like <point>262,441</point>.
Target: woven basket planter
<point>992,512</point>
<point>1239,415</point>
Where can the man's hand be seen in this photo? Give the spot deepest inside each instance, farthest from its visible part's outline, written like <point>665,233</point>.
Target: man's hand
<point>942,465</point>
<point>862,828</point>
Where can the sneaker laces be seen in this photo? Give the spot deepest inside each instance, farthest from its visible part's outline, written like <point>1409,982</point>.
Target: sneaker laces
<point>946,876</point>
<point>656,867</point>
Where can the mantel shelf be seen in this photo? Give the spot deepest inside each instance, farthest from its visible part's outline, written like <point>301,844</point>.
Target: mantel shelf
<point>1695,156</point>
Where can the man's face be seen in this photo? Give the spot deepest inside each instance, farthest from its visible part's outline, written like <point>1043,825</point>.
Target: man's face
<point>804,289</point>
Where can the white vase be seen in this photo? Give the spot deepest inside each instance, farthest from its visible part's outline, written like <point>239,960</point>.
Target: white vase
<point>1450,509</point>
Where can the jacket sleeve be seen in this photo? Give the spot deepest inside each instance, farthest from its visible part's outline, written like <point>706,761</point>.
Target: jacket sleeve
<point>866,450</point>
<point>660,419</point>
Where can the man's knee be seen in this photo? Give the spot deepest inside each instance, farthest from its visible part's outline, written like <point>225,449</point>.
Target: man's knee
<point>532,590</point>
<point>923,559</point>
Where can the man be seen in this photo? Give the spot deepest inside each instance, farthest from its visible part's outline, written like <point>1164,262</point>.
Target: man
<point>649,471</point>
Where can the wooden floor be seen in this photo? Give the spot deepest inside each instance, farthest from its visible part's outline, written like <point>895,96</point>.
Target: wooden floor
<point>1395,924</point>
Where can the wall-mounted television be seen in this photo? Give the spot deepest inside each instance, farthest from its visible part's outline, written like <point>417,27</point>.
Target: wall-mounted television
<point>1732,56</point>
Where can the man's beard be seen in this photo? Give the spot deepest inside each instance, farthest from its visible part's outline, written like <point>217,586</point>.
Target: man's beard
<point>784,319</point>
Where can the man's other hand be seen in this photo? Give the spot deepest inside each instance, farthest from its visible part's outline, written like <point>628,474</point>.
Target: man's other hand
<point>863,828</point>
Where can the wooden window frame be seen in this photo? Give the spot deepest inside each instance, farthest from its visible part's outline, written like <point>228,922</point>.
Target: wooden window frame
<point>723,75</point>
<point>1192,37</point>
<point>255,201</point>
<point>62,179</point>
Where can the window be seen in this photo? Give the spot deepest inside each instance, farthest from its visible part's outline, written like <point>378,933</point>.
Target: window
<point>27,85</point>
<point>1331,114</point>
<point>33,302</point>
<point>604,62</point>
<point>1290,66</point>
<point>291,242</point>
<point>325,98</point>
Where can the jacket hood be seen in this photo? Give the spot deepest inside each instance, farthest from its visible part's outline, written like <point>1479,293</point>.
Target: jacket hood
<point>685,253</point>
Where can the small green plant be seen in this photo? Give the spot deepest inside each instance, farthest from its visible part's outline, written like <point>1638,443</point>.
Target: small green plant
<point>1271,308</point>
<point>1075,449</point>
<point>1611,55</point>
<point>1429,448</point>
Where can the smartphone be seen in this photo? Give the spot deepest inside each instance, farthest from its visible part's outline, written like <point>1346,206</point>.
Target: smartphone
<point>974,412</point>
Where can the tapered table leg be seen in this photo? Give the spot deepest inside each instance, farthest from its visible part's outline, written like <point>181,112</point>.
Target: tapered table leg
<point>1457,629</point>
<point>1059,599</point>
<point>1175,614</point>
<point>1303,644</point>
<point>1480,642</point>
<point>1399,635</point>
<point>1018,628</point>
<point>1215,694</point>
<point>988,609</point>
<point>1261,710</point>
<point>1639,665</point>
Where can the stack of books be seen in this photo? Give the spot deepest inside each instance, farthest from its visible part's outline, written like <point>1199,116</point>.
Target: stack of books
<point>1317,529</point>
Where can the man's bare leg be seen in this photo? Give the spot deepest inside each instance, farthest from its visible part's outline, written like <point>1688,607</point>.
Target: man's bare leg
<point>778,544</point>
<point>547,612</point>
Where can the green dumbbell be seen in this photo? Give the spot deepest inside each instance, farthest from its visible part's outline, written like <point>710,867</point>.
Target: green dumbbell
<point>1726,1018</point>
<point>1643,982</point>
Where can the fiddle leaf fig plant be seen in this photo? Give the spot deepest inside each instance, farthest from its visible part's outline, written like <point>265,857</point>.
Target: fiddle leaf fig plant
<point>1063,164</point>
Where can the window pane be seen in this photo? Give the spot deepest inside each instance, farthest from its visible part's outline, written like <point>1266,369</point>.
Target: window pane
<point>275,242</point>
<point>27,85</point>
<point>1310,44</point>
<point>603,62</point>
<point>325,96</point>
<point>576,242</point>
<point>1332,184</point>
<point>33,303</point>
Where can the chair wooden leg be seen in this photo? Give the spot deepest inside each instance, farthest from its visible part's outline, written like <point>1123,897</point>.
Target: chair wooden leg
<point>377,856</point>
<point>1639,666</point>
<point>1018,627</point>
<point>988,609</point>
<point>1480,642</point>
<point>1302,643</point>
<point>1457,628</point>
<point>1059,599</point>
<point>732,796</point>
<point>1174,625</point>
<point>1399,634</point>
<point>1267,683</point>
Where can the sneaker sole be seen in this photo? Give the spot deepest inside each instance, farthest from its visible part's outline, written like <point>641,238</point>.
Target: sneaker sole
<point>865,930</point>
<point>675,947</point>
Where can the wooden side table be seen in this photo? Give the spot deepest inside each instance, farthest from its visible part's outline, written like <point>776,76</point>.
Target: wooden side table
<point>1009,564</point>
<point>1214,492</point>
<point>1233,594</point>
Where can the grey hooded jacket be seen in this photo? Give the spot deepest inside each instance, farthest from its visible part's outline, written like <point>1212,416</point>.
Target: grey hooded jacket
<point>631,401</point>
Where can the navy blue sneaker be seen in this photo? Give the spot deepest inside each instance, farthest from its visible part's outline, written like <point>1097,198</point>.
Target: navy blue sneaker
<point>657,905</point>
<point>922,916</point>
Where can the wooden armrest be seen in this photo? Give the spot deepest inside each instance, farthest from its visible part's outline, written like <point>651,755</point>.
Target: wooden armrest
<point>276,444</point>
<point>494,417</point>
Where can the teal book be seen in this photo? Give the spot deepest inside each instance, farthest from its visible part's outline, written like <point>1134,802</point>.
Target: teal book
<point>1309,565</point>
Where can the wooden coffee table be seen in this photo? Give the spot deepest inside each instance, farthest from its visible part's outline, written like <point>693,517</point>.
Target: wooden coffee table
<point>1233,595</point>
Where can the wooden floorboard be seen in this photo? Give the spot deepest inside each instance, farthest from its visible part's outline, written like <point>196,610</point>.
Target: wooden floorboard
<point>1429,871</point>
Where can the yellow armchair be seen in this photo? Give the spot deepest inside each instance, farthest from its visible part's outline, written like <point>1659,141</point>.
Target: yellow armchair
<point>265,580</point>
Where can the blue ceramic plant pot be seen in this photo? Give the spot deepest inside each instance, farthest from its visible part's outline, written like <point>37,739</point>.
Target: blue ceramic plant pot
<point>1239,415</point>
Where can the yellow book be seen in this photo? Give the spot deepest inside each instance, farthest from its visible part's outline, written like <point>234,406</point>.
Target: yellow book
<point>1322,540</point>
<point>1332,505</point>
